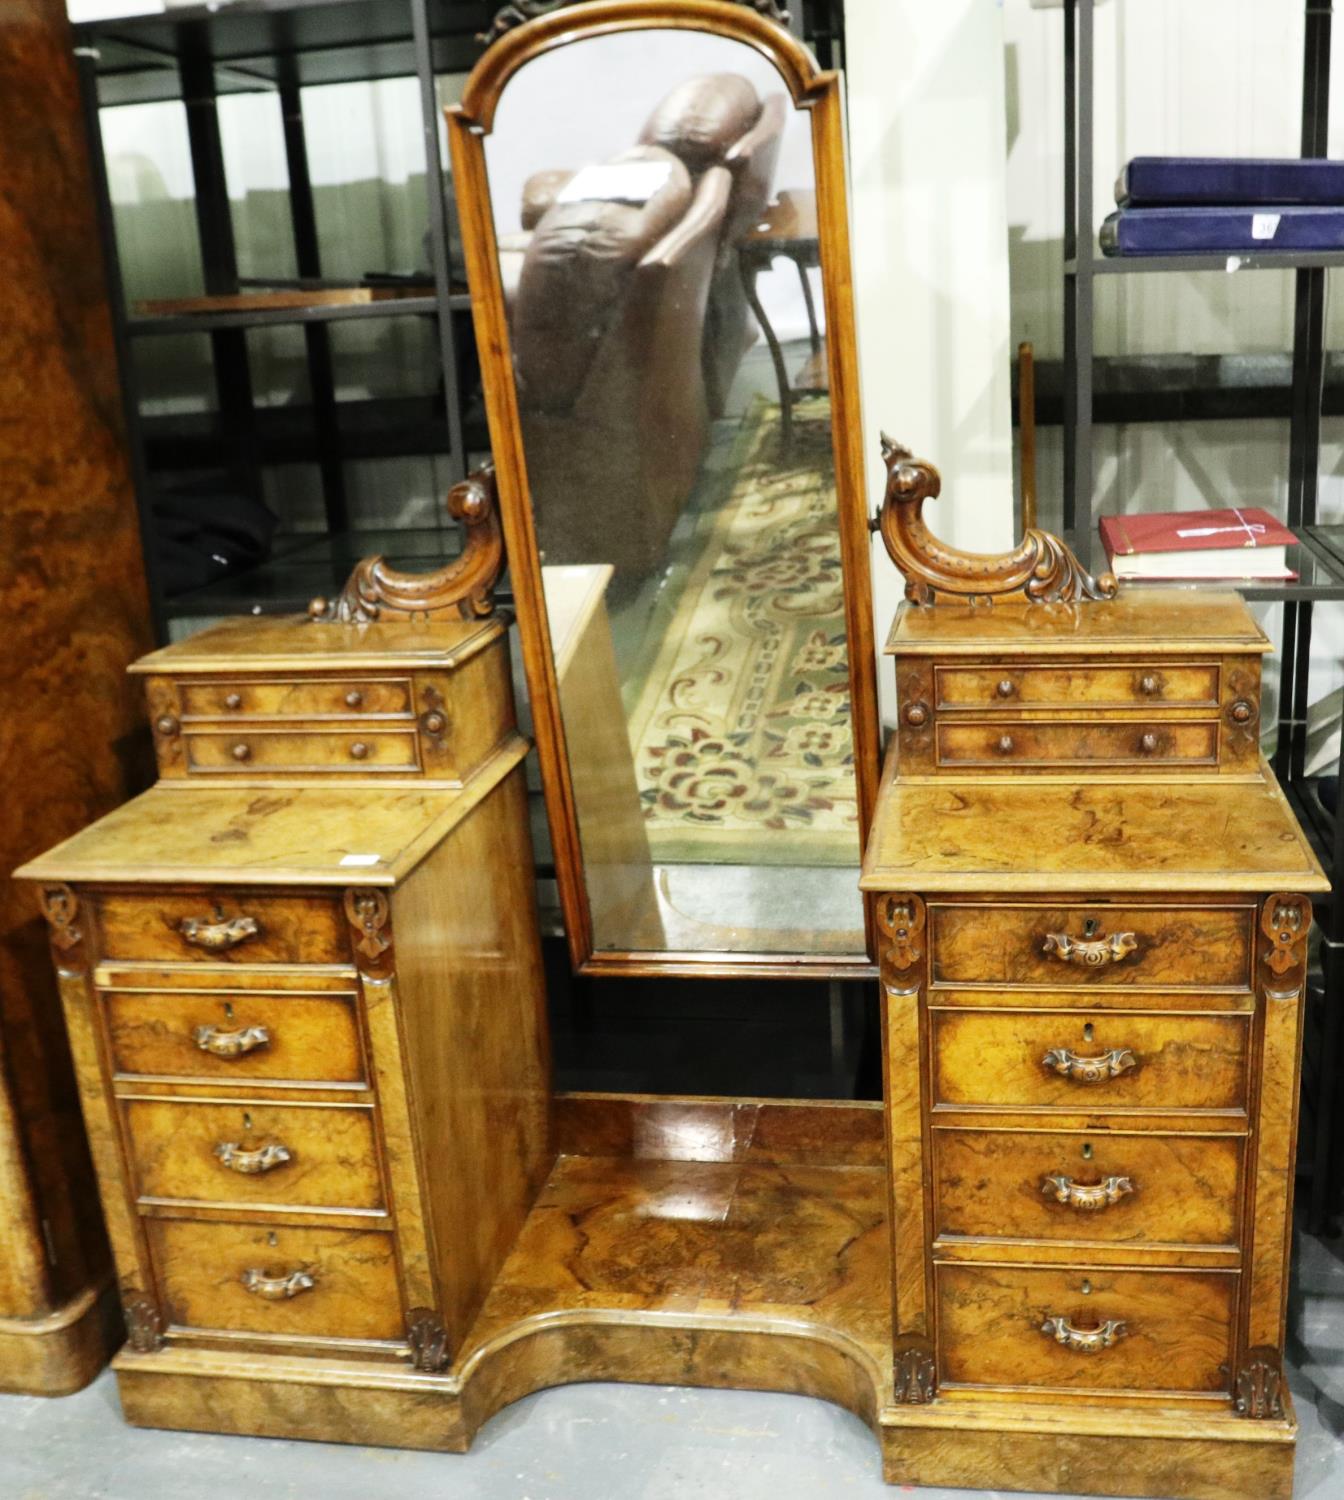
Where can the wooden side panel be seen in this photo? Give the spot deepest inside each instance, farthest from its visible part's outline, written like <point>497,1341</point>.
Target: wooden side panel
<point>477,701</point>
<point>473,1015</point>
<point>1281,968</point>
<point>71,738</point>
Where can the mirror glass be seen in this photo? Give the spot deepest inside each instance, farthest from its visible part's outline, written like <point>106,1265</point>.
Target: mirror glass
<point>654,203</point>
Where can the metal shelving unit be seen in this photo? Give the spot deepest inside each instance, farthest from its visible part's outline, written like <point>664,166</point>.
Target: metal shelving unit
<point>1319,560</point>
<point>196,55</point>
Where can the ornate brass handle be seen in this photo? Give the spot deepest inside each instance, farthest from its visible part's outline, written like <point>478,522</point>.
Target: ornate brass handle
<point>1090,953</point>
<point>1086,1197</point>
<point>277,1288</point>
<point>218,936</point>
<point>1084,1340</point>
<point>1089,1069</point>
<point>252,1163</point>
<point>231,1043</point>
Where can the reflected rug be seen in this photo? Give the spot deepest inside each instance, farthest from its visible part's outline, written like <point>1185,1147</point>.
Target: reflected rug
<point>740,724</point>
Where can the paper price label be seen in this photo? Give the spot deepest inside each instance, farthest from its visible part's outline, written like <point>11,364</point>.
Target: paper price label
<point>1264,226</point>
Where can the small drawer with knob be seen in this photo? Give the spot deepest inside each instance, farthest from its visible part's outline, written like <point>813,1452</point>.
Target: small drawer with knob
<point>1136,745</point>
<point>1102,1188</point>
<point>1085,1328</point>
<point>253,1152</point>
<point>1094,1062</point>
<point>221,926</point>
<point>1041,685</point>
<point>252,751</point>
<point>285,1030</point>
<point>287,1281</point>
<point>296,698</point>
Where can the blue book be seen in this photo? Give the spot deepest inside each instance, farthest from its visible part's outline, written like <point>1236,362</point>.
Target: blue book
<point>1214,231</point>
<point>1152,181</point>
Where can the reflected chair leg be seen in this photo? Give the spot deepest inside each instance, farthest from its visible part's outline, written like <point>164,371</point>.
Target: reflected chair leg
<point>813,327</point>
<point>750,271</point>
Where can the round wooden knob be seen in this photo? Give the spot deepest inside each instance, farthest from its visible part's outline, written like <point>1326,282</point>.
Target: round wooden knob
<point>1149,684</point>
<point>1242,712</point>
<point>1005,744</point>
<point>354,698</point>
<point>1148,743</point>
<point>434,723</point>
<point>916,714</point>
<point>359,750</point>
<point>241,751</point>
<point>1006,688</point>
<point>167,724</point>
<point>317,608</point>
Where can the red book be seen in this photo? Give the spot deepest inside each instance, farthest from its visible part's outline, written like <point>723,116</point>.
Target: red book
<point>1242,542</point>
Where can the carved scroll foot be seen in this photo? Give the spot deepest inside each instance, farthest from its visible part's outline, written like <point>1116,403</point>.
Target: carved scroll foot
<point>428,1340</point>
<point>1259,1385</point>
<point>914,1372</point>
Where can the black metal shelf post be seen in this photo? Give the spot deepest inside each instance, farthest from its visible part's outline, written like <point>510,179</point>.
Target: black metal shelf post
<point>195,54</point>
<point>1322,571</point>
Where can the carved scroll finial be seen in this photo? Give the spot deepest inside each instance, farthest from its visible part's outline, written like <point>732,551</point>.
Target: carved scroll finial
<point>1040,569</point>
<point>460,590</point>
<point>518,12</point>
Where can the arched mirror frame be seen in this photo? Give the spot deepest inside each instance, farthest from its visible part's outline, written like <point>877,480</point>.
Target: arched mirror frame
<point>470,122</point>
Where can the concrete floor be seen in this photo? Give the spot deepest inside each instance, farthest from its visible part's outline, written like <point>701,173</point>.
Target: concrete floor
<point>588,1442</point>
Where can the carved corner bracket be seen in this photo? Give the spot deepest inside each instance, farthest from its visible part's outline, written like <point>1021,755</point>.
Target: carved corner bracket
<point>462,589</point>
<point>901,919</point>
<point>1259,1385</point>
<point>914,1372</point>
<point>368,911</point>
<point>1285,921</point>
<point>519,12</point>
<point>1041,569</point>
<point>60,906</point>
<point>428,1340</point>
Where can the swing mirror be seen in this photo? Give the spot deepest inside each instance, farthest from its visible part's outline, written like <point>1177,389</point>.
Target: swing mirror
<point>653,205</point>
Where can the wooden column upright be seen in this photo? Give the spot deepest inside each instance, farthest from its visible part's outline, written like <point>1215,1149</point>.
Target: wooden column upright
<point>71,575</point>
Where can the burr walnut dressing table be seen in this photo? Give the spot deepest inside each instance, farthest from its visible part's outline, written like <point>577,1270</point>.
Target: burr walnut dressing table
<point>1095,904</point>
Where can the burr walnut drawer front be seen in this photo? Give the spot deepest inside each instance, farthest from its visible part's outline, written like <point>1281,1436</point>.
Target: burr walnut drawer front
<point>223,926</point>
<point>1170,945</point>
<point>1040,685</point>
<point>1066,1328</point>
<point>1154,743</point>
<point>1123,1189</point>
<point>286,1280</point>
<point>233,1036</point>
<point>1092,1061</point>
<point>353,748</point>
<point>254,1152</point>
<point>300,698</point>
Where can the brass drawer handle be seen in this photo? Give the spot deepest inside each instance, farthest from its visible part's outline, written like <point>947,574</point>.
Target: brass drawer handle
<point>277,1288</point>
<point>252,1163</point>
<point>1084,1340</point>
<point>1086,1197</point>
<point>231,1043</point>
<point>1090,953</point>
<point>218,937</point>
<point>1089,1069</point>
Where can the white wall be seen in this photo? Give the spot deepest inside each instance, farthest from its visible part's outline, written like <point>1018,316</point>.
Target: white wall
<point>930,250</point>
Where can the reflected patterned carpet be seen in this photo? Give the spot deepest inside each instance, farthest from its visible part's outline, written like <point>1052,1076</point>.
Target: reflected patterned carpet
<point>740,729</point>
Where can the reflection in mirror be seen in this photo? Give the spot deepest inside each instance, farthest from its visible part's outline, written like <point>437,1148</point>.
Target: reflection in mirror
<point>655,213</point>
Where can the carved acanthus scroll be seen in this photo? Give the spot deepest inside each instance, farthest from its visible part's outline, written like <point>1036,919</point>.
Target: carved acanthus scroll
<point>460,590</point>
<point>518,12</point>
<point>1040,569</point>
<point>901,919</point>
